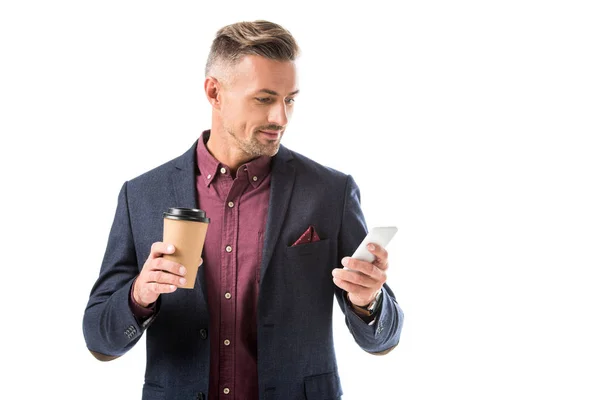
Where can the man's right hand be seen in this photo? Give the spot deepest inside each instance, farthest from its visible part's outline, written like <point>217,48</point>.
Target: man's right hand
<point>158,275</point>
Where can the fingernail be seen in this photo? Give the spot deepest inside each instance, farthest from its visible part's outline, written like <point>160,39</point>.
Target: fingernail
<point>173,287</point>
<point>182,281</point>
<point>371,246</point>
<point>182,270</point>
<point>170,248</point>
<point>345,261</point>
<point>334,272</point>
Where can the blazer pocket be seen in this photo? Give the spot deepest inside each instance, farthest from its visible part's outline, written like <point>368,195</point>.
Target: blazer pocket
<point>310,250</point>
<point>323,387</point>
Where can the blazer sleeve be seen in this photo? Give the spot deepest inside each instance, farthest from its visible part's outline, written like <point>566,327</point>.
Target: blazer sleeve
<point>109,326</point>
<point>382,336</point>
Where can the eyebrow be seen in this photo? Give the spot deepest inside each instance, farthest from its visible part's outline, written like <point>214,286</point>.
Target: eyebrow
<point>274,93</point>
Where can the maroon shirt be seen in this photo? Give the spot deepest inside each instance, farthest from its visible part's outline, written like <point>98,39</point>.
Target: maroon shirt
<point>232,255</point>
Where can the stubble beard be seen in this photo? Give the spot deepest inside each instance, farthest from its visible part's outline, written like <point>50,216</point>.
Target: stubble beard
<point>254,147</point>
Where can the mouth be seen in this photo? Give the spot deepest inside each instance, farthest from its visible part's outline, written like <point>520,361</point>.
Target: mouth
<point>273,135</point>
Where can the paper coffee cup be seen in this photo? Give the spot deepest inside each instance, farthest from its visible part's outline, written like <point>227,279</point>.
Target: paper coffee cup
<point>185,228</point>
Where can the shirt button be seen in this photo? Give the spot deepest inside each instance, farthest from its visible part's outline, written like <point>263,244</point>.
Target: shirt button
<point>226,390</point>
<point>254,178</point>
<point>228,249</point>
<point>226,342</point>
<point>223,170</point>
<point>230,204</point>
<point>208,176</point>
<point>227,295</point>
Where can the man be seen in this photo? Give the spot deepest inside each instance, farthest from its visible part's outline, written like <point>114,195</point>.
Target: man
<point>258,324</point>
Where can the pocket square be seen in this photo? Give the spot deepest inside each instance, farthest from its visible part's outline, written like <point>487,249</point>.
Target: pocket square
<point>309,236</point>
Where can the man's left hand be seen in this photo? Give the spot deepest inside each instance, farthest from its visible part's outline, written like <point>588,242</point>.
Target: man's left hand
<point>362,280</point>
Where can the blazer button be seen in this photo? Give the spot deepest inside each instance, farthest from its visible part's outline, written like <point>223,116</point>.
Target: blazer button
<point>200,396</point>
<point>203,334</point>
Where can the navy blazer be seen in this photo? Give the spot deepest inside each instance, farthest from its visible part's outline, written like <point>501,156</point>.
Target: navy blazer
<point>296,358</point>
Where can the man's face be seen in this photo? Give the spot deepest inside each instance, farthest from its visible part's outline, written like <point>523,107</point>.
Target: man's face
<point>257,103</point>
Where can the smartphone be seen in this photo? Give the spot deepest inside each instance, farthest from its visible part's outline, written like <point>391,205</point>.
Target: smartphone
<point>381,235</point>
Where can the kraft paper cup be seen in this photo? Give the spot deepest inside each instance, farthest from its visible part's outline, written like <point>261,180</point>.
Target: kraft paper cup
<point>185,228</point>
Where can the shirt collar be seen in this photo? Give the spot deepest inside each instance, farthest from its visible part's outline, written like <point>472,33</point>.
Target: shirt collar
<point>208,166</point>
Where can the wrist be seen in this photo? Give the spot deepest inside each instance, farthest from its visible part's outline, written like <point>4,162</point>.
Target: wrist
<point>136,297</point>
<point>369,309</point>
<point>141,303</point>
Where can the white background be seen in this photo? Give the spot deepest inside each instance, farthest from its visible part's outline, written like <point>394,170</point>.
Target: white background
<point>471,125</point>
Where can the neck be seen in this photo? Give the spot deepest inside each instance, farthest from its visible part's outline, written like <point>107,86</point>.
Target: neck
<point>223,147</point>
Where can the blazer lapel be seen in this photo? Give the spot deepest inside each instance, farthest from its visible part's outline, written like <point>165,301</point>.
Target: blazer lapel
<point>283,176</point>
<point>184,186</point>
<point>184,179</point>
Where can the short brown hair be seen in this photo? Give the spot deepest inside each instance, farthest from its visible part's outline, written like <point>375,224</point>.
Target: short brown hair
<point>261,38</point>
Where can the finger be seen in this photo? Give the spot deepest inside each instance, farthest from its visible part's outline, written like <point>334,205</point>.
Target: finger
<point>362,266</point>
<point>358,278</point>
<point>164,277</point>
<point>381,255</point>
<point>159,288</point>
<point>352,288</point>
<point>381,264</point>
<point>160,248</point>
<point>161,264</point>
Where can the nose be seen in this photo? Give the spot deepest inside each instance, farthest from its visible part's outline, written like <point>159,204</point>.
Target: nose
<point>278,115</point>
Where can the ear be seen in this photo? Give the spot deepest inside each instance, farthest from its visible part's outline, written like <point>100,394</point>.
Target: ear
<point>212,89</point>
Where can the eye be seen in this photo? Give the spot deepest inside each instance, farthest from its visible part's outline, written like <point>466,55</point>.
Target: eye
<point>290,101</point>
<point>263,99</point>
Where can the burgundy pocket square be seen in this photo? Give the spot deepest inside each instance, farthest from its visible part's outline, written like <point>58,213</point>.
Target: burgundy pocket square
<point>309,236</point>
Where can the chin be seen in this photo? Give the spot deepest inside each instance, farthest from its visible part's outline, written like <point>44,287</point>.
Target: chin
<point>274,151</point>
<point>269,150</point>
<point>267,147</point>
